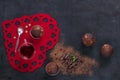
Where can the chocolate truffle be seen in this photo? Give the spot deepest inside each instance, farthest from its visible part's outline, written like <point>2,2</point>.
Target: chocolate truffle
<point>88,39</point>
<point>106,50</point>
<point>36,31</point>
<point>52,69</point>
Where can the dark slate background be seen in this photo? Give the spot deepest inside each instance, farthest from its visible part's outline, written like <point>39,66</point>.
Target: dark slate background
<point>75,17</point>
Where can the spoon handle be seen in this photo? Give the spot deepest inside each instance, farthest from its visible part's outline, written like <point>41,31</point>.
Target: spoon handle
<point>17,43</point>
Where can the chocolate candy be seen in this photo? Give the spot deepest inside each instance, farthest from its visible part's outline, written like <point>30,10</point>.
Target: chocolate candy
<point>52,69</point>
<point>36,31</point>
<point>88,39</point>
<point>106,50</point>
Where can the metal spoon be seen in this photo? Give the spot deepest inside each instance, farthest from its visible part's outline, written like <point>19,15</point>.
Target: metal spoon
<point>20,31</point>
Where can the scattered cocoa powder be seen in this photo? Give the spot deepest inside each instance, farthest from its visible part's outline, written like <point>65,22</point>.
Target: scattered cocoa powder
<point>78,65</point>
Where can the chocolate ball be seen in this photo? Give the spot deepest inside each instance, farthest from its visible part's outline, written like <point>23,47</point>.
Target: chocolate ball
<point>106,50</point>
<point>88,39</point>
<point>36,31</point>
<point>52,69</point>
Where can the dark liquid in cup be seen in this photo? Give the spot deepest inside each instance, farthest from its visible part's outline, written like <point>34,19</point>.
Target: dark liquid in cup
<point>27,51</point>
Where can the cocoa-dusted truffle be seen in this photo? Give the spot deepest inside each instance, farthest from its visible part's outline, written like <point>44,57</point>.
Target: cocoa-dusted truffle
<point>106,50</point>
<point>52,69</point>
<point>88,39</point>
<point>36,31</point>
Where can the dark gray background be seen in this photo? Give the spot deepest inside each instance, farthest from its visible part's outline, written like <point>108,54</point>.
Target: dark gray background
<point>75,17</point>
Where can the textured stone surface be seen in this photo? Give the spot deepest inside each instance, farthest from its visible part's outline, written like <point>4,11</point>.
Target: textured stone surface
<point>75,17</point>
